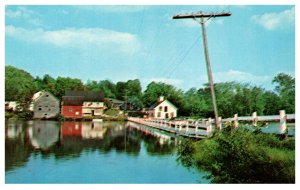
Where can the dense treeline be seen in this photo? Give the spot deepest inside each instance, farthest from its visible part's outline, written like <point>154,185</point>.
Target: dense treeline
<point>232,97</point>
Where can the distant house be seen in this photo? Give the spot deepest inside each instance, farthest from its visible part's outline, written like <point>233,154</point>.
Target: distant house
<point>163,109</point>
<point>115,104</point>
<point>11,106</point>
<point>45,105</point>
<point>78,104</point>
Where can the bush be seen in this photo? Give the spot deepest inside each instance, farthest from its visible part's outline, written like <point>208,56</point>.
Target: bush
<point>241,156</point>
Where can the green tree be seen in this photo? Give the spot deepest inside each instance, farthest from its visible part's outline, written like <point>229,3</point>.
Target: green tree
<point>49,84</point>
<point>133,88</point>
<point>19,86</point>
<point>195,104</point>
<point>154,90</point>
<point>272,102</point>
<point>285,87</point>
<point>108,88</point>
<point>121,90</point>
<point>66,83</point>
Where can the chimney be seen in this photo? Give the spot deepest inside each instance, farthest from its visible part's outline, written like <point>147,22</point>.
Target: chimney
<point>161,98</point>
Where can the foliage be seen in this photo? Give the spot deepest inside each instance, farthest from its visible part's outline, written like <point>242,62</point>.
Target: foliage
<point>19,86</point>
<point>111,112</point>
<point>154,90</point>
<point>286,89</point>
<point>66,83</point>
<point>231,97</point>
<point>241,156</point>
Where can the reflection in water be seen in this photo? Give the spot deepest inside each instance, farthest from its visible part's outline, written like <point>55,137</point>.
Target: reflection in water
<point>86,152</point>
<point>43,134</point>
<point>71,139</point>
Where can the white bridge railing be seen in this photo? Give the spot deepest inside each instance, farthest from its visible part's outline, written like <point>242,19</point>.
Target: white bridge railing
<point>203,128</point>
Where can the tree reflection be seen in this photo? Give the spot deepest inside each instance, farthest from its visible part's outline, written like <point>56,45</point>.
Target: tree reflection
<point>67,140</point>
<point>17,149</point>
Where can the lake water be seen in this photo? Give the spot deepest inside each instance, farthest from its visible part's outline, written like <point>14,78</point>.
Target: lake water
<point>86,152</point>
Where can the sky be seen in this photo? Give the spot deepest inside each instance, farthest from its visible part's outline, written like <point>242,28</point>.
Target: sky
<point>143,42</point>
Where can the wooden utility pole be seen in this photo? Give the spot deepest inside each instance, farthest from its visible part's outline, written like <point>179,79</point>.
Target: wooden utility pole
<point>209,73</point>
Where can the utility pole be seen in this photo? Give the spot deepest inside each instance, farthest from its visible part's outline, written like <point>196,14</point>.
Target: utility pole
<point>209,73</point>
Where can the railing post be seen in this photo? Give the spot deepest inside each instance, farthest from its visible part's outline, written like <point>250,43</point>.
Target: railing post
<point>208,127</point>
<point>220,123</point>
<point>236,120</point>
<point>282,122</point>
<point>254,119</point>
<point>187,127</point>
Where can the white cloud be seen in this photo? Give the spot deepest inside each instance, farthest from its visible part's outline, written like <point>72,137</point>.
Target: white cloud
<point>274,21</point>
<point>167,81</point>
<point>82,38</point>
<point>243,77</point>
<point>233,75</point>
<point>24,14</point>
<point>113,8</point>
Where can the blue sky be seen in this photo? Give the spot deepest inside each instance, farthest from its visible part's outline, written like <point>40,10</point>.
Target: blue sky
<point>128,42</point>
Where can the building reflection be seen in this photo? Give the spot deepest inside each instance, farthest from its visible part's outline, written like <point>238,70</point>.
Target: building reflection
<point>66,140</point>
<point>43,134</point>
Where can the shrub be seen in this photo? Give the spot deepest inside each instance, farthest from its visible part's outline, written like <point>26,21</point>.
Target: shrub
<point>242,156</point>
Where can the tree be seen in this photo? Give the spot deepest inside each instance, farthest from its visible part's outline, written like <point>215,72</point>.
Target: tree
<point>108,88</point>
<point>133,88</point>
<point>195,104</point>
<point>154,90</point>
<point>66,83</point>
<point>48,84</point>
<point>286,89</point>
<point>272,101</point>
<point>19,86</point>
<point>121,90</point>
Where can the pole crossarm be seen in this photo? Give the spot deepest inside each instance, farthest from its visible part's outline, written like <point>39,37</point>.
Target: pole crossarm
<point>198,15</point>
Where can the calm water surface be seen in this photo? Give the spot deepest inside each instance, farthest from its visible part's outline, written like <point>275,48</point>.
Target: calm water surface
<point>86,152</point>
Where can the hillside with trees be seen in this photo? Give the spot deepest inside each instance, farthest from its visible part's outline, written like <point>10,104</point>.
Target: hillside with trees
<point>232,97</point>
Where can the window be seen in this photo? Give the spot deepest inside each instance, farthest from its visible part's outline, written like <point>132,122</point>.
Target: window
<point>70,110</point>
<point>166,108</point>
<point>172,114</point>
<point>158,114</point>
<point>40,109</point>
<point>160,108</point>
<point>167,116</point>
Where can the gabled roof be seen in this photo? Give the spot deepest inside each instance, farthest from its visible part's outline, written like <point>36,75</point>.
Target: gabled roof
<point>158,103</point>
<point>72,100</point>
<point>42,93</point>
<point>115,101</point>
<point>155,105</point>
<point>87,95</point>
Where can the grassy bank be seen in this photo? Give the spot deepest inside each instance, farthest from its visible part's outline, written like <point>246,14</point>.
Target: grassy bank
<point>242,156</point>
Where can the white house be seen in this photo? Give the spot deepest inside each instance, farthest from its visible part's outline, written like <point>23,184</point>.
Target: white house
<point>163,109</point>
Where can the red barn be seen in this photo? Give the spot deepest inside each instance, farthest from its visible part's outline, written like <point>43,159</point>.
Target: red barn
<point>72,106</point>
